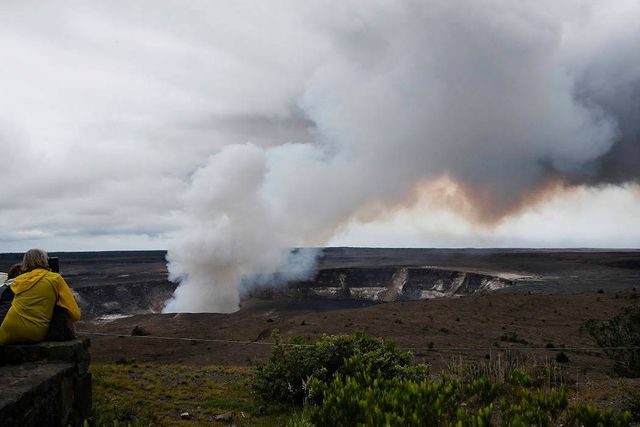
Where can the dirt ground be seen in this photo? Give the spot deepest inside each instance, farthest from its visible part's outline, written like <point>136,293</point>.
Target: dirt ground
<point>440,332</point>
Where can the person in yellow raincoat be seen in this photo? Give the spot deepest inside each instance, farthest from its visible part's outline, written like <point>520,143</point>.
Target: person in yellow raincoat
<point>36,291</point>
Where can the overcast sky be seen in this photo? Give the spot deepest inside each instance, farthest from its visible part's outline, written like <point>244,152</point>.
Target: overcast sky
<point>132,125</point>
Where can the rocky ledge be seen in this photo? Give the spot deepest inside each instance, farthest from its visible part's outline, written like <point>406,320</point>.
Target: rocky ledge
<point>45,384</point>
<point>387,284</point>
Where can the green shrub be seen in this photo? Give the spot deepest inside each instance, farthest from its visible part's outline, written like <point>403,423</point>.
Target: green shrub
<point>118,413</point>
<point>482,391</point>
<point>357,380</point>
<point>300,419</point>
<point>139,331</point>
<point>537,408</point>
<point>518,377</point>
<point>513,337</point>
<point>589,416</point>
<point>632,399</point>
<point>500,366</point>
<point>365,400</point>
<point>360,395</point>
<point>284,377</point>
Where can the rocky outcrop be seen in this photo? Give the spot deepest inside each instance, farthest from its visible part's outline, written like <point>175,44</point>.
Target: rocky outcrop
<point>395,289</point>
<point>125,298</point>
<point>388,284</point>
<point>361,284</point>
<point>45,384</point>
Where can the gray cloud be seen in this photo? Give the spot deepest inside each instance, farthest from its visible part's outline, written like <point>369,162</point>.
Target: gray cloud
<point>107,110</point>
<point>119,118</point>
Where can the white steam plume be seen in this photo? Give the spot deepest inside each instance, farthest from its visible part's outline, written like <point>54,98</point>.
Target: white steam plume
<point>235,233</point>
<point>500,97</point>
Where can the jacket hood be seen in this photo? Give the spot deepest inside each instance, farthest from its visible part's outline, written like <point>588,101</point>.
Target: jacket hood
<point>25,281</point>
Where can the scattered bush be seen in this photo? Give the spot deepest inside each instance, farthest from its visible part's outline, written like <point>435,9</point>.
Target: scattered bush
<point>518,377</point>
<point>620,337</point>
<point>632,399</point>
<point>354,379</point>
<point>300,419</point>
<point>125,361</point>
<point>526,407</point>
<point>139,331</point>
<point>590,416</point>
<point>562,357</point>
<point>361,399</point>
<point>513,337</point>
<point>506,367</point>
<point>287,372</point>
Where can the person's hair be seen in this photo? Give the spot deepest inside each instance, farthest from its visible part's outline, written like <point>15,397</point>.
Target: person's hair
<point>35,258</point>
<point>14,271</point>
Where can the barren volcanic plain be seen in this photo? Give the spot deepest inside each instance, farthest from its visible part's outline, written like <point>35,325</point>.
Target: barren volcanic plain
<point>544,298</point>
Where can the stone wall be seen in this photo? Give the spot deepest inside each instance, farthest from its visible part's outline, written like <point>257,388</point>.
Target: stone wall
<point>45,384</point>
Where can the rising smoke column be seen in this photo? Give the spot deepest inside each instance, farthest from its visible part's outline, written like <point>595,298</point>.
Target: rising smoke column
<point>503,99</point>
<point>235,232</point>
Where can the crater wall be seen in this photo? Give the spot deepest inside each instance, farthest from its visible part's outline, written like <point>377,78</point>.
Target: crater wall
<point>387,284</point>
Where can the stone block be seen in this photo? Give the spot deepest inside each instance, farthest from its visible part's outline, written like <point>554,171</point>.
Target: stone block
<point>62,350</point>
<point>82,363</point>
<point>75,350</point>
<point>45,384</point>
<point>83,396</point>
<point>65,399</point>
<point>31,393</point>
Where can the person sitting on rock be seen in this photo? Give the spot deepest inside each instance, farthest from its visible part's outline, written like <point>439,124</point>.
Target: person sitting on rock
<point>6,294</point>
<point>37,291</point>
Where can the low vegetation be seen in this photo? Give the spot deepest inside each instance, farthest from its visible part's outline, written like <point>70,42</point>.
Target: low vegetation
<point>139,331</point>
<point>620,339</point>
<point>130,394</point>
<point>632,399</point>
<point>285,377</point>
<point>500,366</point>
<point>513,337</point>
<point>363,400</point>
<point>358,380</point>
<point>345,380</point>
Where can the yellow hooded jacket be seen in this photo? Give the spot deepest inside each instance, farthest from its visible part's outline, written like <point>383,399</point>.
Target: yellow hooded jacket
<point>36,293</point>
